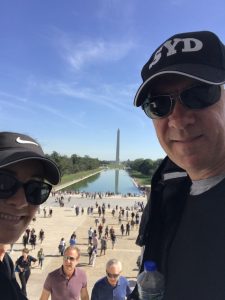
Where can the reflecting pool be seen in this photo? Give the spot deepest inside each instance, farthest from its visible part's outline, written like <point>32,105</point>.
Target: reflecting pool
<point>114,181</point>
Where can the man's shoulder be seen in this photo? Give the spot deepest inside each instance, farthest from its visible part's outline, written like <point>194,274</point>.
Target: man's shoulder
<point>80,271</point>
<point>55,272</point>
<point>123,279</point>
<point>100,282</point>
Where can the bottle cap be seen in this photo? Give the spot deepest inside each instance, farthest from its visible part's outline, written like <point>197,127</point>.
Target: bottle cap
<point>150,265</point>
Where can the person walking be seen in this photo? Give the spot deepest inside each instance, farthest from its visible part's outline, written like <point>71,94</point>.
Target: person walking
<point>93,256</point>
<point>33,240</point>
<point>113,239</point>
<point>103,245</point>
<point>113,286</point>
<point>183,224</point>
<point>68,281</point>
<point>25,239</point>
<point>73,241</point>
<point>62,246</point>
<point>41,257</point>
<point>23,264</point>
<point>90,235</point>
<point>128,228</point>
<point>41,235</point>
<point>107,231</point>
<point>95,240</point>
<point>122,229</point>
<point>89,251</point>
<point>100,230</point>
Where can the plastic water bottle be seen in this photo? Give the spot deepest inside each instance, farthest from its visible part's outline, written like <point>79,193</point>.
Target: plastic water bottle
<point>150,283</point>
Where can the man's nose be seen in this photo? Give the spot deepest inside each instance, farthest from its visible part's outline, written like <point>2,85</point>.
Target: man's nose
<point>181,116</point>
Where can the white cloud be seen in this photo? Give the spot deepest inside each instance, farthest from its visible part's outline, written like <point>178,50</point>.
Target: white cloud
<point>83,53</point>
<point>12,97</point>
<point>56,113</point>
<point>114,97</point>
<point>20,103</point>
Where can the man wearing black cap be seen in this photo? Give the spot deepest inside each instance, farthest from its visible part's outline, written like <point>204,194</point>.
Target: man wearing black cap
<point>183,225</point>
<point>26,178</point>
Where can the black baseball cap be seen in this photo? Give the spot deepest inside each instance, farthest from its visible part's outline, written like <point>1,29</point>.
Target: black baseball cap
<point>199,55</point>
<point>17,147</point>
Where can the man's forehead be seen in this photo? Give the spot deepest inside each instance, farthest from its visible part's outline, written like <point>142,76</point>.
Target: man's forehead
<point>71,252</point>
<point>114,267</point>
<point>171,82</point>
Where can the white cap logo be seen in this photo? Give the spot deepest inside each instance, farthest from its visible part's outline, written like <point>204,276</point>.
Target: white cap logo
<point>170,45</point>
<point>20,141</point>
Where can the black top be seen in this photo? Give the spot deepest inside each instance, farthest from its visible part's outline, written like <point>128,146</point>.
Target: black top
<point>196,264</point>
<point>25,263</point>
<point>9,288</point>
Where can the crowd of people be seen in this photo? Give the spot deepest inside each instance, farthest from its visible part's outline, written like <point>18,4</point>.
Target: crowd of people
<point>100,233</point>
<point>65,195</point>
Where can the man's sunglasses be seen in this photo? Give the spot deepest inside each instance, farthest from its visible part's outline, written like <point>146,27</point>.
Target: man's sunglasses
<point>112,275</point>
<point>195,97</point>
<point>71,258</point>
<point>36,192</point>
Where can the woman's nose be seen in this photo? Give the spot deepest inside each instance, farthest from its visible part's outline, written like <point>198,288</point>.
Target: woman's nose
<point>18,199</point>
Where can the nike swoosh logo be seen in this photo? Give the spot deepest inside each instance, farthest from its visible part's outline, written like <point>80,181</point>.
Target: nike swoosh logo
<point>20,141</point>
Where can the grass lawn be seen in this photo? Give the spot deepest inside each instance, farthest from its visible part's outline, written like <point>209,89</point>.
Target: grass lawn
<point>140,178</point>
<point>71,177</point>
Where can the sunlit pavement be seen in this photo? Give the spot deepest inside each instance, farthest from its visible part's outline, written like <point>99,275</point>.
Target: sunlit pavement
<point>62,223</point>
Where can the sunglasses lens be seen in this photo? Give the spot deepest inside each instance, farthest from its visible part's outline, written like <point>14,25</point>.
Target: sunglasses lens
<point>157,106</point>
<point>37,192</point>
<point>8,185</point>
<point>113,275</point>
<point>201,96</point>
<point>71,258</point>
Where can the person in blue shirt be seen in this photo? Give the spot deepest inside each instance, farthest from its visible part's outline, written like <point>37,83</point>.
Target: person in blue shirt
<point>113,286</point>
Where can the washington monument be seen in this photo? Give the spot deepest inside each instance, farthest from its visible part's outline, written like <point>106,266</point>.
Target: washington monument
<point>118,147</point>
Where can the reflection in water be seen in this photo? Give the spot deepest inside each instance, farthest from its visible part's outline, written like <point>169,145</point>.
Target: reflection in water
<point>117,181</point>
<point>113,181</point>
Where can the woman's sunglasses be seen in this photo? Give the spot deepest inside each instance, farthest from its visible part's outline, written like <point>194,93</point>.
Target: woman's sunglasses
<point>36,192</point>
<point>195,97</point>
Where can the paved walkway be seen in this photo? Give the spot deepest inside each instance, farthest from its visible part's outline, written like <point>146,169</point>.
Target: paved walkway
<point>62,224</point>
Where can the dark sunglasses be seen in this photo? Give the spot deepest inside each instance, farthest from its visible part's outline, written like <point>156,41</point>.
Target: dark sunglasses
<point>195,97</point>
<point>71,258</point>
<point>112,275</point>
<point>36,192</point>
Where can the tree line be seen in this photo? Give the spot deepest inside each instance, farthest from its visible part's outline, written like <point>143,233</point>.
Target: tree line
<point>75,163</point>
<point>144,166</point>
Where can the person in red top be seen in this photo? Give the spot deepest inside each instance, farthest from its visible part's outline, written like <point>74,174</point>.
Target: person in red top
<point>67,282</point>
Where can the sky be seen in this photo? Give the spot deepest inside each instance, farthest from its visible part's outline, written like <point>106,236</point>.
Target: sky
<point>70,69</point>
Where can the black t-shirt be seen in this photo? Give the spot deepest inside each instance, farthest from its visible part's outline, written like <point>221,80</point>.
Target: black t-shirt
<point>25,263</point>
<point>196,266</point>
<point>9,288</point>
